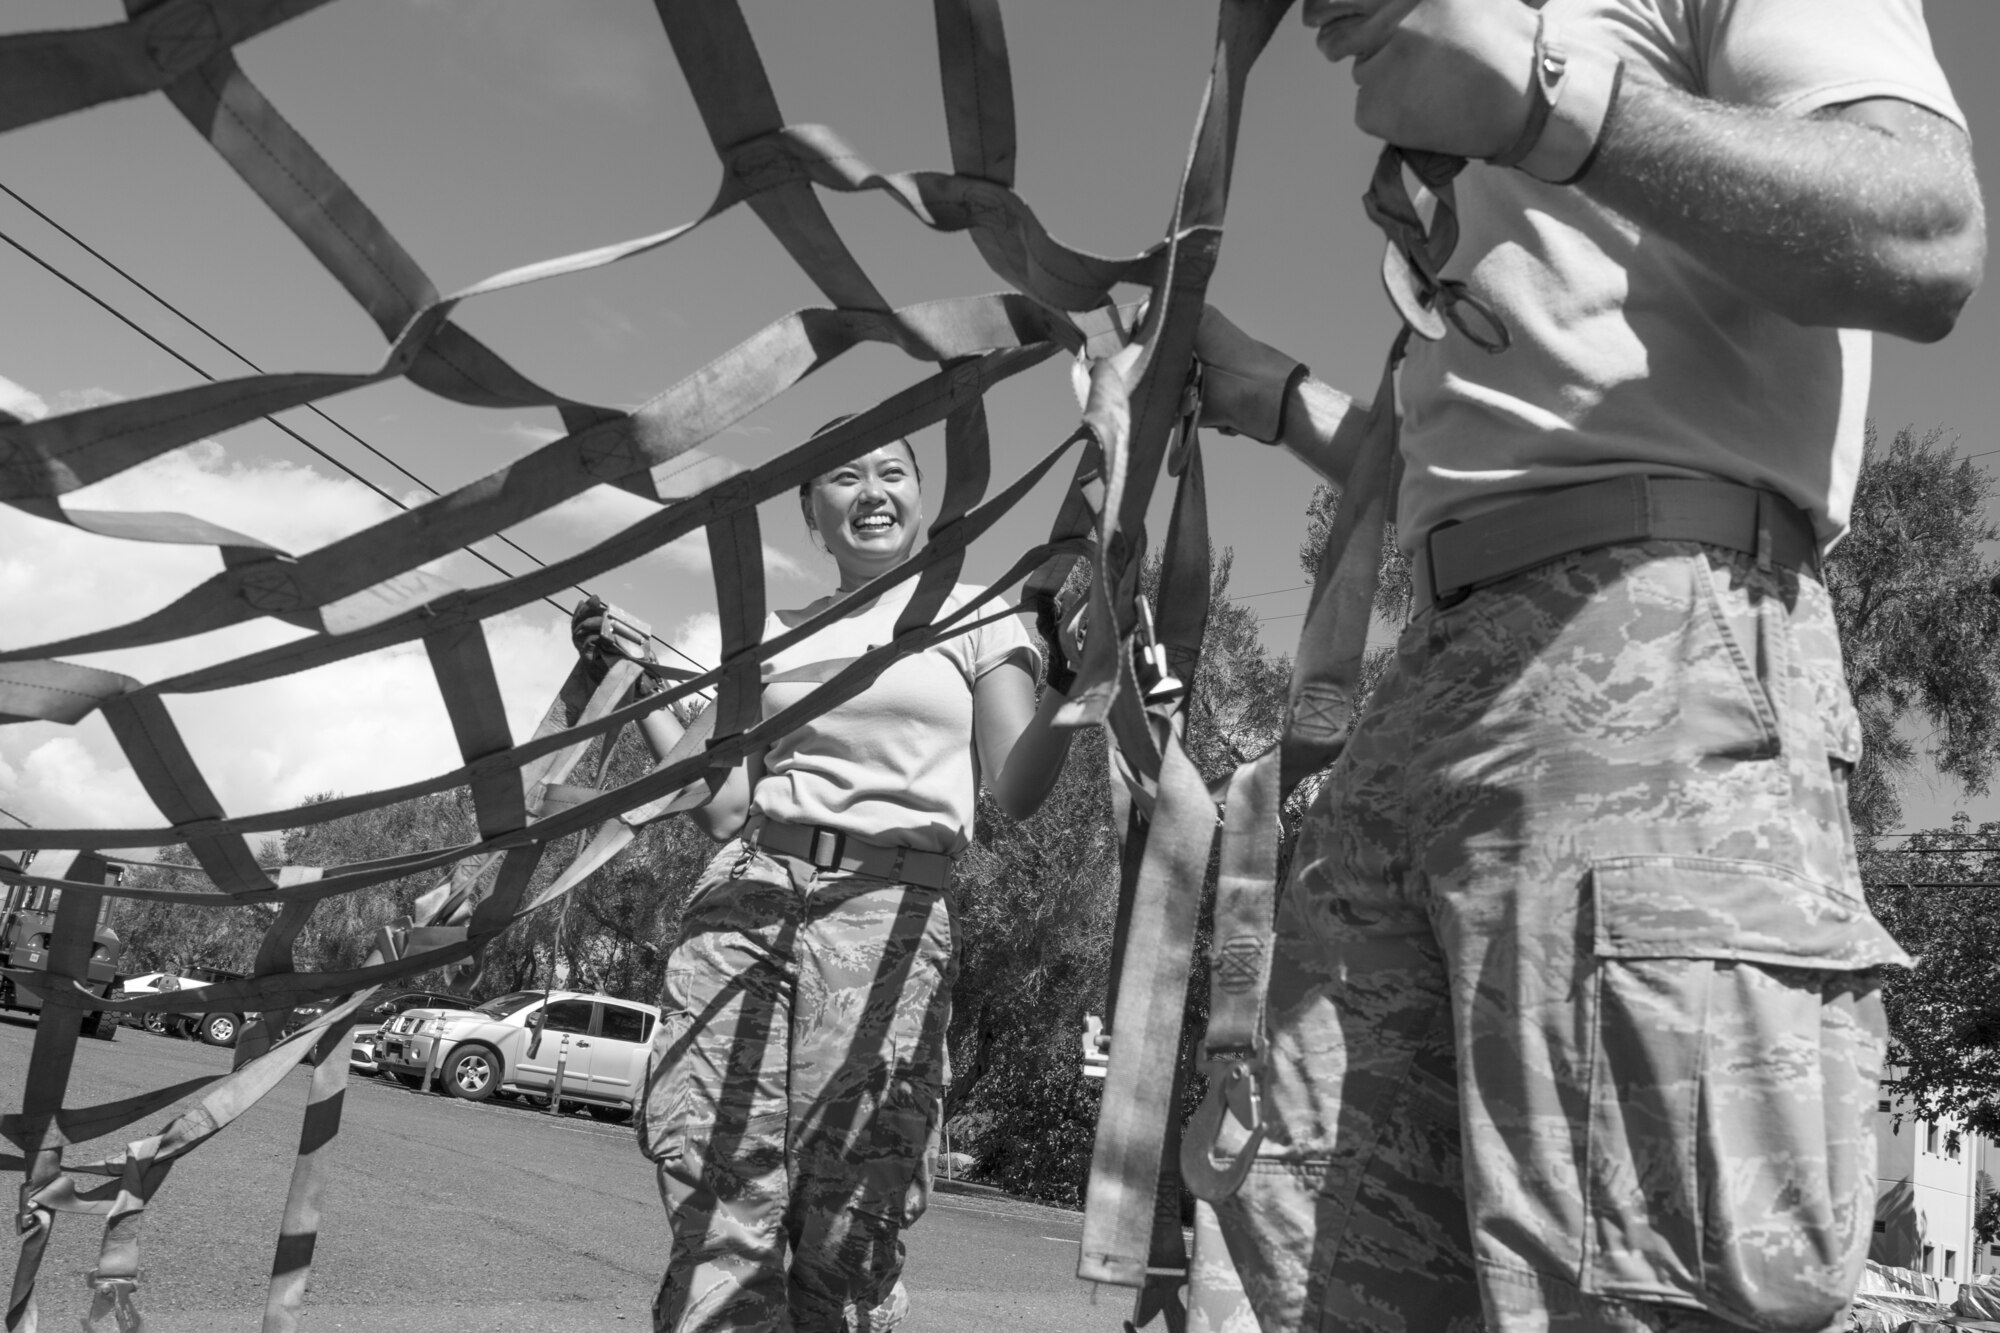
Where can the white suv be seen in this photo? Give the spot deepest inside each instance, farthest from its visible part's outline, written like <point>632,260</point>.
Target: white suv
<point>519,1042</point>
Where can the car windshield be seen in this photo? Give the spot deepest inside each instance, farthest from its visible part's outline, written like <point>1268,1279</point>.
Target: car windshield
<point>502,1005</point>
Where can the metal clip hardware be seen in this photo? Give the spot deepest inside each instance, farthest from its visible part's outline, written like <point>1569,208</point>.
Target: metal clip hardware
<point>1190,419</point>
<point>1149,661</point>
<point>1232,1088</point>
<point>1096,1047</point>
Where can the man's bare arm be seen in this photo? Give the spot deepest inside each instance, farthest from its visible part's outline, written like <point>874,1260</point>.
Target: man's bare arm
<point>1254,389</point>
<point>1864,216</point>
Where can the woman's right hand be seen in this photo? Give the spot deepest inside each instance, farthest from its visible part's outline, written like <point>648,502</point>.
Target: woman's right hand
<point>602,633</point>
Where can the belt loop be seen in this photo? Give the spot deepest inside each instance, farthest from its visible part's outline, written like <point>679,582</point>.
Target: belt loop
<point>896,867</point>
<point>1763,532</point>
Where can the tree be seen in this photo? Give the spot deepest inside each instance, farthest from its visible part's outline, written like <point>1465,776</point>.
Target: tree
<point>1919,621</point>
<point>611,933</point>
<point>1944,1012</point>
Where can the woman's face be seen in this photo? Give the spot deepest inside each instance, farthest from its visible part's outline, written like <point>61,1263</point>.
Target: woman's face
<point>868,512</point>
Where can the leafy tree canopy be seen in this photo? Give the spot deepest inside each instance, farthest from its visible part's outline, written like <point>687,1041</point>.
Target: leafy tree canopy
<point>1919,621</point>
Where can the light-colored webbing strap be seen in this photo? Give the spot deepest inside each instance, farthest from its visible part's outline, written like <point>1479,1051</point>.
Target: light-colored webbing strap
<point>370,591</point>
<point>471,693</point>
<point>49,1063</point>
<point>1158,951</point>
<point>49,74</point>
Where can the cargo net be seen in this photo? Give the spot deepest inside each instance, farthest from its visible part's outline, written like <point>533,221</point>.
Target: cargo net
<point>368,592</point>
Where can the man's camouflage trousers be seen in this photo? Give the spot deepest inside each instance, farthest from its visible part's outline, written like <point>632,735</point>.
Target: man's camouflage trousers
<point>1574,1019</point>
<point>791,1088</point>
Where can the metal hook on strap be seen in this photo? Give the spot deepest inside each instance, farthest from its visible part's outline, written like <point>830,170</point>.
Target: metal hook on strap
<point>1190,420</point>
<point>1149,661</point>
<point>1232,1089</point>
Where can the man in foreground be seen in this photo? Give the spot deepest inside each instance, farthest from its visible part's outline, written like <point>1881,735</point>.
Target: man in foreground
<point>1573,1020</point>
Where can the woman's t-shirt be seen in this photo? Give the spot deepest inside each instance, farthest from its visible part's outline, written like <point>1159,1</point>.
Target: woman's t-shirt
<point>895,763</point>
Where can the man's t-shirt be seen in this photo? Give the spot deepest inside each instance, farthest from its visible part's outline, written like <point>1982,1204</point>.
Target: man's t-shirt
<point>895,763</point>
<point>1630,356</point>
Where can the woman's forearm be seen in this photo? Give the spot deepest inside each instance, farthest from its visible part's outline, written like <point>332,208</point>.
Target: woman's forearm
<point>662,730</point>
<point>1031,768</point>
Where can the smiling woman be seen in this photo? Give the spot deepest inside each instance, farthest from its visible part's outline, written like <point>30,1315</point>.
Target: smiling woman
<point>805,1007</point>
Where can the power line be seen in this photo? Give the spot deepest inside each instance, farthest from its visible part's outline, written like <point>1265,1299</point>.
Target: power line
<point>1925,851</point>
<point>198,327</point>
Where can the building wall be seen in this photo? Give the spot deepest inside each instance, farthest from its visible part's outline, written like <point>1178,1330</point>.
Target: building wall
<point>1926,1194</point>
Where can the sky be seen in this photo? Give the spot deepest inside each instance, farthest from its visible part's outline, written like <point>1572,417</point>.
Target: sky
<point>491,133</point>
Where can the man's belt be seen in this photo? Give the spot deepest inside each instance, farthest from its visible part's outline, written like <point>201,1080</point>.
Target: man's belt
<point>1459,557</point>
<point>831,849</point>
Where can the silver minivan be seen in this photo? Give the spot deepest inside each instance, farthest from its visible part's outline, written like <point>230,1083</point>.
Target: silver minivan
<point>525,1042</point>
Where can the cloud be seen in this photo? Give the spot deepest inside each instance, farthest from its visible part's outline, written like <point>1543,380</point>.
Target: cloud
<point>610,328</point>
<point>359,725</point>
<point>20,402</point>
<point>700,637</point>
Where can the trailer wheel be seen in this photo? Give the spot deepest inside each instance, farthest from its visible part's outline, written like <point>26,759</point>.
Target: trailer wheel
<point>102,1026</point>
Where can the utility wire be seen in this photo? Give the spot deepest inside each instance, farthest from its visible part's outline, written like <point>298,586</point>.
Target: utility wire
<point>1234,596</point>
<point>198,327</point>
<point>1926,851</point>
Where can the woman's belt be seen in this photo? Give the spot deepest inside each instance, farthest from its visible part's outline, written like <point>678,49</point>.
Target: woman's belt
<point>1458,557</point>
<point>831,849</point>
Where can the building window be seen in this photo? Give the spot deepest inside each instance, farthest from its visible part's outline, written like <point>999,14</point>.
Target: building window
<point>1951,1263</point>
<point>1993,1250</point>
<point>1929,1262</point>
<point>1882,1106</point>
<point>1882,1229</point>
<point>1930,1137</point>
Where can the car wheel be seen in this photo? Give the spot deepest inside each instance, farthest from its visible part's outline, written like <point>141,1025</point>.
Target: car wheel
<point>219,1029</point>
<point>472,1073</point>
<point>407,1080</point>
<point>155,1023</point>
<point>610,1115</point>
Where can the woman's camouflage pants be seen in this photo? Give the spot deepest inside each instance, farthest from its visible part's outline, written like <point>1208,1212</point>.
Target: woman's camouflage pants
<point>797,1066</point>
<point>1573,1018</point>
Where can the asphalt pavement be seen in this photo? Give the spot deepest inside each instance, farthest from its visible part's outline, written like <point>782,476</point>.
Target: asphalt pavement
<point>443,1214</point>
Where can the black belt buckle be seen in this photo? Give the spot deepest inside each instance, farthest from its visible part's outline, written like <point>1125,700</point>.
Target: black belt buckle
<point>828,846</point>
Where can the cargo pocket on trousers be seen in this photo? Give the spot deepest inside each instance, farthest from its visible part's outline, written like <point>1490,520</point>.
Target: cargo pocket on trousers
<point>1737,1040</point>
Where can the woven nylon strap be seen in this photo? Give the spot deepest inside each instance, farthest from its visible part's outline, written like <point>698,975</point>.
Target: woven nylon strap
<point>370,591</point>
<point>1326,675</point>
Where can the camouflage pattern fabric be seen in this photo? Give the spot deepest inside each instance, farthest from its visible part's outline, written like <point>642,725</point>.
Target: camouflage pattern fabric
<point>793,1080</point>
<point>1574,1021</point>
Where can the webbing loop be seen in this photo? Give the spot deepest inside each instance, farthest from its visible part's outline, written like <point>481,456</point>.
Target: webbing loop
<point>1413,263</point>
